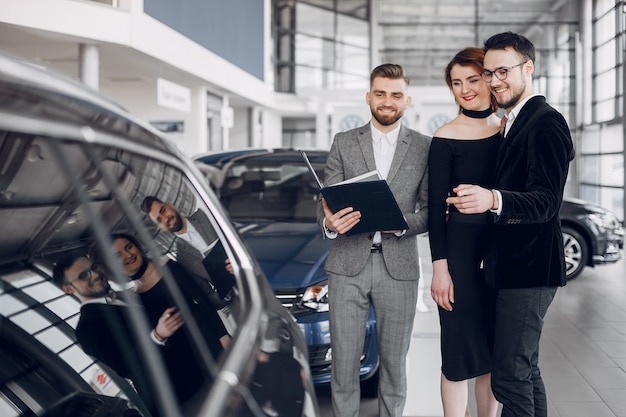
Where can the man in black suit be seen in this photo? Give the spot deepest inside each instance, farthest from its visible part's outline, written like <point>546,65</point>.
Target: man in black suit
<point>525,261</point>
<point>103,330</point>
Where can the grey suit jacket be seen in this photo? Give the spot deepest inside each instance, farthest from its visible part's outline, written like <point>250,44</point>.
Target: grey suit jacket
<point>186,254</point>
<point>352,154</point>
<point>209,270</point>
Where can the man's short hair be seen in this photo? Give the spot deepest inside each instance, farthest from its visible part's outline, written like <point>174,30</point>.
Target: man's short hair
<point>519,43</point>
<point>63,264</point>
<point>147,202</point>
<point>392,71</point>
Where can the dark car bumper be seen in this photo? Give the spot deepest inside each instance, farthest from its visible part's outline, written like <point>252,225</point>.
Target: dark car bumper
<point>609,247</point>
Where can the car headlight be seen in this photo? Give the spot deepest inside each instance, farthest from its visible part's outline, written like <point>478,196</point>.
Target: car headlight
<point>605,220</point>
<point>316,297</point>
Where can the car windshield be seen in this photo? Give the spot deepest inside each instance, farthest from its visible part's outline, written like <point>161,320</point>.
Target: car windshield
<point>284,191</point>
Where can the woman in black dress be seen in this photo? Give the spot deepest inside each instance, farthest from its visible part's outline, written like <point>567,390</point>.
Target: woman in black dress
<point>463,151</point>
<point>180,352</point>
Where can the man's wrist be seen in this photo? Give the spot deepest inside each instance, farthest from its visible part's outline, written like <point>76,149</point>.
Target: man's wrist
<point>494,200</point>
<point>157,338</point>
<point>327,232</point>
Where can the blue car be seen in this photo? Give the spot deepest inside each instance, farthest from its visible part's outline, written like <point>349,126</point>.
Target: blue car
<point>271,198</point>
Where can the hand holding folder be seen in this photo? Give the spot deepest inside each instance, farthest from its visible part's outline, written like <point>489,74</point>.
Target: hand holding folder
<point>368,194</point>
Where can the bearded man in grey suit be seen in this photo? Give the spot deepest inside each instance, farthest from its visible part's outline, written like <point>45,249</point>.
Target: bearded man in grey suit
<point>198,247</point>
<point>378,269</point>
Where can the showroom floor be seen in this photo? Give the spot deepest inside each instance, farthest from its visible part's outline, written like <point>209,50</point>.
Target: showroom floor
<point>582,356</point>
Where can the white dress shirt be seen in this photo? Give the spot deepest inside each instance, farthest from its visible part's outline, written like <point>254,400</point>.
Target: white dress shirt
<point>195,239</point>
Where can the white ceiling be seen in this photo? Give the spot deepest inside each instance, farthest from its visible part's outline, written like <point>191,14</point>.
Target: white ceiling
<point>425,34</point>
<point>421,34</point>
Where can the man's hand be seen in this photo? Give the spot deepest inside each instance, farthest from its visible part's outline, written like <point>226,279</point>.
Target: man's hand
<point>472,199</point>
<point>342,221</point>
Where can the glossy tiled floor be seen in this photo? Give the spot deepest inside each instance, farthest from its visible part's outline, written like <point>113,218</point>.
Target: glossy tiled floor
<point>582,356</point>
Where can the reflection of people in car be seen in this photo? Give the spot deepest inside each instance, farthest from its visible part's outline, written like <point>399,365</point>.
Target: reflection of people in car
<point>182,359</point>
<point>198,247</point>
<point>102,330</point>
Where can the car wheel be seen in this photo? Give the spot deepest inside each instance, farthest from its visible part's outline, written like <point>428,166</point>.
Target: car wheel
<point>369,387</point>
<point>576,252</point>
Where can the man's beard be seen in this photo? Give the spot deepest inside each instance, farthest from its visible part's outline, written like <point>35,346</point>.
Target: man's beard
<point>178,224</point>
<point>513,100</point>
<point>389,119</point>
<point>104,289</point>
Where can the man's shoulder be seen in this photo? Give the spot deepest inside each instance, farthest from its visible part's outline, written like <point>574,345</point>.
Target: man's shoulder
<point>406,131</point>
<point>354,133</point>
<point>197,216</point>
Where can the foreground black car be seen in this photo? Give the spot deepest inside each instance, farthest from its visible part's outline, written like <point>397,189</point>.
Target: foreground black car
<point>74,168</point>
<point>592,235</point>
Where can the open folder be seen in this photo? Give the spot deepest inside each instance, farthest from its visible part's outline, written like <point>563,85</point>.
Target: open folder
<point>367,193</point>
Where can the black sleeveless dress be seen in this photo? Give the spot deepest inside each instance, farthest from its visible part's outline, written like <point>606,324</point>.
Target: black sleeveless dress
<point>467,330</point>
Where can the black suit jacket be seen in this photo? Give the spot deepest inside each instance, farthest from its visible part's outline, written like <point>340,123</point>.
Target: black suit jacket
<point>104,333</point>
<point>527,246</point>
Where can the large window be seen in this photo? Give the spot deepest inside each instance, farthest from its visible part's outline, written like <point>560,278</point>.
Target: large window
<point>321,44</point>
<point>601,150</point>
<point>606,94</point>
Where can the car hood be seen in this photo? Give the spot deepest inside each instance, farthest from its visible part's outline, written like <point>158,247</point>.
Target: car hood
<point>291,254</point>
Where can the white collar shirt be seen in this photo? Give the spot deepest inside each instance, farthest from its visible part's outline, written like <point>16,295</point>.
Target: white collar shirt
<point>510,116</point>
<point>384,148</point>
<point>195,239</point>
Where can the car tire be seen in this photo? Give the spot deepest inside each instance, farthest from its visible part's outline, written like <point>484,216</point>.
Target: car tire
<point>576,252</point>
<point>369,387</point>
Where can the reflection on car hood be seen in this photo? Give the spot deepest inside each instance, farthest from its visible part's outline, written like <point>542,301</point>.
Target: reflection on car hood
<point>291,254</point>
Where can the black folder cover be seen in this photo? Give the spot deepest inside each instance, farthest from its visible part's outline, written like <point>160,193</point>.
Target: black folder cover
<point>374,199</point>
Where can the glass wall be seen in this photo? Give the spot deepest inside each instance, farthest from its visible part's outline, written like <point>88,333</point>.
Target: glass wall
<point>321,44</point>
<point>601,152</point>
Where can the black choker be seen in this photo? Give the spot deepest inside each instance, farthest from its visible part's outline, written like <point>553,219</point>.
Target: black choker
<point>142,269</point>
<point>481,114</point>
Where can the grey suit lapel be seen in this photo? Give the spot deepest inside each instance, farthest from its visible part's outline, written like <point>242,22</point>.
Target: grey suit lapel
<point>402,147</point>
<point>367,147</point>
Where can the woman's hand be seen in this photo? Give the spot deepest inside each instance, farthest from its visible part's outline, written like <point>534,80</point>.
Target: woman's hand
<point>170,321</point>
<point>441,287</point>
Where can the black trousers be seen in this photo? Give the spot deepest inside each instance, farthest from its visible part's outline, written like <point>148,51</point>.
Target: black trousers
<point>515,377</point>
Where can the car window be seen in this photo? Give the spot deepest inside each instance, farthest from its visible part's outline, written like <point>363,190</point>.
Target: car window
<point>81,197</point>
<point>271,191</point>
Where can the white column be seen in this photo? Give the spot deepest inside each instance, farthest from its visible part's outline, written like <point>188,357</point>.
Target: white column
<point>196,131</point>
<point>89,65</point>
<point>226,121</point>
<point>322,137</point>
<point>374,34</point>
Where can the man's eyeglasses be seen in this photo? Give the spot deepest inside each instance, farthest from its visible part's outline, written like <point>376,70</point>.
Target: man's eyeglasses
<point>84,275</point>
<point>500,73</point>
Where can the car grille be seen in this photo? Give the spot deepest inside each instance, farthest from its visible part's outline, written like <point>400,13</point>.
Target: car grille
<point>288,298</point>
